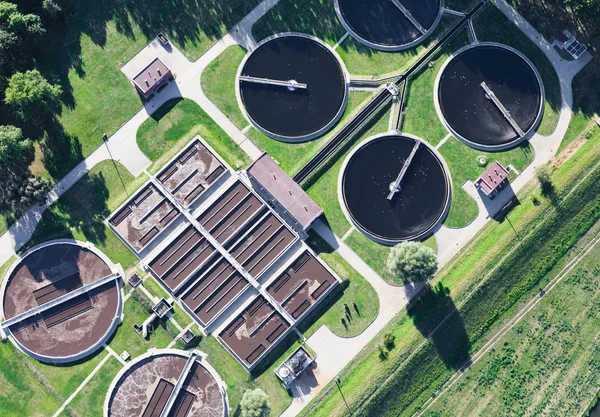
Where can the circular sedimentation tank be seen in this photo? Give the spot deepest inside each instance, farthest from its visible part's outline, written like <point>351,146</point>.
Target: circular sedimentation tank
<point>368,176</point>
<point>72,329</point>
<point>490,96</point>
<point>389,25</point>
<point>293,87</point>
<point>145,385</point>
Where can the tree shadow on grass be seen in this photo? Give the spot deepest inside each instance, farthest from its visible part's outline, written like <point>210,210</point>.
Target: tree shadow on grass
<point>83,208</point>
<point>436,317</point>
<point>61,151</point>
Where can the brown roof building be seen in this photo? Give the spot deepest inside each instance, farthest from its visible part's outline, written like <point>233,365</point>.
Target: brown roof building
<point>279,188</point>
<point>493,180</point>
<point>151,77</point>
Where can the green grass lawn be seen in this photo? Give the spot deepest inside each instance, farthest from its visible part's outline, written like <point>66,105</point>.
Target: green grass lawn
<point>22,393</point>
<point>322,185</point>
<point>154,288</point>
<point>492,25</point>
<point>218,83</point>
<point>546,365</point>
<point>5,267</point>
<point>64,380</point>
<point>89,402</point>
<point>462,162</point>
<point>175,124</point>
<point>580,126</point>
<point>487,286</point>
<point>316,17</point>
<point>126,338</point>
<point>374,254</point>
<point>81,211</point>
<point>354,291</point>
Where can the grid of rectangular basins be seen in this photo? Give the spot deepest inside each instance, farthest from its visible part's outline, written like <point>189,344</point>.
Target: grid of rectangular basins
<point>253,331</point>
<point>245,227</point>
<point>143,217</point>
<point>191,173</point>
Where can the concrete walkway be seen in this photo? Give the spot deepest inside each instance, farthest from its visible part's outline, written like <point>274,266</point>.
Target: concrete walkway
<point>123,145</point>
<point>334,352</point>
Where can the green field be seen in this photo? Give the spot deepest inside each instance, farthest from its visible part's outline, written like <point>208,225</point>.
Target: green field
<point>547,364</point>
<point>487,286</point>
<point>174,125</point>
<point>81,211</point>
<point>354,292</point>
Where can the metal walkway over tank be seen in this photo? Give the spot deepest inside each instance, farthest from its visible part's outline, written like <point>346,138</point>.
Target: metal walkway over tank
<point>291,84</point>
<point>396,186</point>
<point>490,95</point>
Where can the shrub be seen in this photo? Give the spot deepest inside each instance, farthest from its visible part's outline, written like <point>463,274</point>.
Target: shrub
<point>389,340</point>
<point>255,403</point>
<point>412,261</point>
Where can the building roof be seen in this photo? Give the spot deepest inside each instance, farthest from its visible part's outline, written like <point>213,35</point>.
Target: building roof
<point>151,75</point>
<point>491,179</point>
<point>285,190</point>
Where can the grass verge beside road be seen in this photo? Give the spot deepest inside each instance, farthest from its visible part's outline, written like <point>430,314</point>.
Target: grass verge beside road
<point>176,123</point>
<point>487,282</point>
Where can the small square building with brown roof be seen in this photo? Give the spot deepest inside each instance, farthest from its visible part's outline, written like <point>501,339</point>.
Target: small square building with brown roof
<point>149,79</point>
<point>493,180</point>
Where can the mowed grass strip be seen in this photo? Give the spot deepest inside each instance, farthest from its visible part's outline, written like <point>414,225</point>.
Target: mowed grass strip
<point>355,292</point>
<point>545,365</point>
<point>175,124</point>
<point>81,211</point>
<point>22,393</point>
<point>501,281</point>
<point>89,402</point>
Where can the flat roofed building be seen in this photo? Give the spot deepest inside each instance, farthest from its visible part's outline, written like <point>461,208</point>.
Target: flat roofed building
<point>279,187</point>
<point>493,180</point>
<point>151,77</point>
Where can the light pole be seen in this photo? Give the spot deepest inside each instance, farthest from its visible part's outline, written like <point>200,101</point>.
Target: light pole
<point>337,382</point>
<point>105,139</point>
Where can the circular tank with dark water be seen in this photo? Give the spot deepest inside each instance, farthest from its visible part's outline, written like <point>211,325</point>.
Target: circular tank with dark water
<point>293,114</point>
<point>383,24</point>
<point>413,212</point>
<point>469,111</point>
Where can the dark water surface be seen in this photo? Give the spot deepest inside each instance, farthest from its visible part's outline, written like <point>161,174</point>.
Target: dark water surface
<point>381,22</point>
<point>300,112</point>
<point>419,205</point>
<point>464,103</point>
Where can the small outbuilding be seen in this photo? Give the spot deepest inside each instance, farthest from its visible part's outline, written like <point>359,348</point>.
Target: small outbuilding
<point>149,79</point>
<point>281,191</point>
<point>493,180</point>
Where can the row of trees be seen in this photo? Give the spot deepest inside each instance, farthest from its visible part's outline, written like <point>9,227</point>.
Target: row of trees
<point>27,100</point>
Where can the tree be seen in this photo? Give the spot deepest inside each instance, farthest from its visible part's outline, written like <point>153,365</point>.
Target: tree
<point>51,7</point>
<point>29,93</point>
<point>544,177</point>
<point>412,261</point>
<point>14,149</point>
<point>255,403</point>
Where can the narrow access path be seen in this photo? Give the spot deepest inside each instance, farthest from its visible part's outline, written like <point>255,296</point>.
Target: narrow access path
<point>333,353</point>
<point>123,146</point>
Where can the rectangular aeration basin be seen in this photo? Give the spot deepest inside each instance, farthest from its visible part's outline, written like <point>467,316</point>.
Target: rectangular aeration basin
<point>226,216</point>
<point>212,289</point>
<point>143,217</point>
<point>184,255</point>
<point>250,334</point>
<point>302,285</point>
<point>192,171</point>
